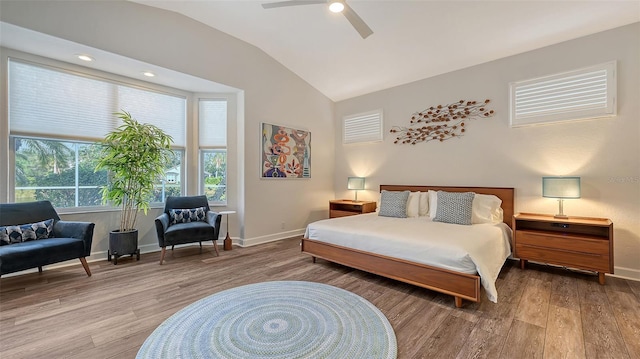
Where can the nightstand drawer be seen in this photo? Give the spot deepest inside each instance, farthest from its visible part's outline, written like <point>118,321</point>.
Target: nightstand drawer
<point>567,250</point>
<point>345,207</point>
<point>334,213</point>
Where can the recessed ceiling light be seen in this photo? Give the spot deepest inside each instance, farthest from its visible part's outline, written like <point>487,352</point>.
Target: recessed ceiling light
<point>336,6</point>
<point>85,57</point>
<point>148,74</point>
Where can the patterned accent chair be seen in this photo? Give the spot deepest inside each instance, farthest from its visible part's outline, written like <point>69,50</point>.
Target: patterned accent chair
<point>187,219</point>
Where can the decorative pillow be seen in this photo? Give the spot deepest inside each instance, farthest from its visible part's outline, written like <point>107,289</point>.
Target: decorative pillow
<point>424,204</point>
<point>26,232</point>
<point>393,204</point>
<point>486,209</point>
<point>413,204</point>
<point>433,203</point>
<point>187,215</point>
<point>454,207</point>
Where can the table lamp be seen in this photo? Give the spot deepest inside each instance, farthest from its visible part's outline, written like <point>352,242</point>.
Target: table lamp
<point>355,183</point>
<point>561,188</point>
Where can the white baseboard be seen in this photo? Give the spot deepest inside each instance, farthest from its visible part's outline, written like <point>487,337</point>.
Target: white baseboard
<point>626,273</point>
<point>247,242</point>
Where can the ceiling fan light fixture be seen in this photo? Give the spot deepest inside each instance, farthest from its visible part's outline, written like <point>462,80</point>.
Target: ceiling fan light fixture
<point>336,6</point>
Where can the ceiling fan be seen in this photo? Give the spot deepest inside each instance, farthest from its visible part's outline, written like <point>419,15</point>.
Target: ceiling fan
<point>335,6</point>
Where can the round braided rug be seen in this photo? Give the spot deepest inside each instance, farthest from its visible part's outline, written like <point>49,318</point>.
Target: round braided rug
<point>286,319</point>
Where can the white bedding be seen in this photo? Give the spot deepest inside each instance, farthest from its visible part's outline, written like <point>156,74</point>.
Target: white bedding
<point>478,248</point>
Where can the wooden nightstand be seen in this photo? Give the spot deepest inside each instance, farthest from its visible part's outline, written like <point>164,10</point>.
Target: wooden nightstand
<point>346,207</point>
<point>577,242</point>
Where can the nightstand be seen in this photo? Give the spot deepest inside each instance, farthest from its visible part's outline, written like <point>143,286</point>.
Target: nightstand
<point>577,242</point>
<point>346,207</point>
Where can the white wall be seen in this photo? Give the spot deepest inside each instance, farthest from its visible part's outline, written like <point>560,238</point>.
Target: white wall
<point>272,94</point>
<point>605,152</point>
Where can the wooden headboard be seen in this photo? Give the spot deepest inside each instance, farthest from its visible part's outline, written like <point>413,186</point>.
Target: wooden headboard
<point>505,194</point>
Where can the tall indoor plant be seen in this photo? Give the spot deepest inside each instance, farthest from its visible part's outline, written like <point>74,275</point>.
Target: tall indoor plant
<point>135,156</point>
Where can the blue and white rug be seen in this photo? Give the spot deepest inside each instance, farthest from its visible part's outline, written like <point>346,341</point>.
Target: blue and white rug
<point>286,319</point>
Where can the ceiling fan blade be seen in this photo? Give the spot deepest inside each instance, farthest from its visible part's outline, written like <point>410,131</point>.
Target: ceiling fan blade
<point>361,27</point>
<point>272,5</point>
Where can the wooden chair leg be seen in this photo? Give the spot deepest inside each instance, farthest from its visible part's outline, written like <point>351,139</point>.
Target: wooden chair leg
<point>200,247</point>
<point>83,260</point>
<point>215,246</point>
<point>162,253</point>
<point>172,247</point>
<point>39,269</point>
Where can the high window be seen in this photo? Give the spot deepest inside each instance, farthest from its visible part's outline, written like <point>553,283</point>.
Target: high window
<point>362,127</point>
<point>56,118</point>
<point>575,95</point>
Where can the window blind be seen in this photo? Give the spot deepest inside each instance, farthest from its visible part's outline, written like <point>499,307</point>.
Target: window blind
<point>581,94</point>
<point>212,115</point>
<point>45,102</point>
<point>363,127</point>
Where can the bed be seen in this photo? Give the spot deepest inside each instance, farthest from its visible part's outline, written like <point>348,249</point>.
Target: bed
<point>462,284</point>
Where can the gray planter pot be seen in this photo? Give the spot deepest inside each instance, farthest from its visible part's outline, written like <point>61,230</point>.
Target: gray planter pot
<point>123,243</point>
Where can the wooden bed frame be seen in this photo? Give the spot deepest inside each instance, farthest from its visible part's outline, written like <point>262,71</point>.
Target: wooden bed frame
<point>460,285</point>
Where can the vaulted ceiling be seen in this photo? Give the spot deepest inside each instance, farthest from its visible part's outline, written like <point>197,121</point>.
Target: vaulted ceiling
<point>412,40</point>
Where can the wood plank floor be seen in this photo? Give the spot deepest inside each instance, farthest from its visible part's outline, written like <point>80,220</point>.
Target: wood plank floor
<point>543,312</point>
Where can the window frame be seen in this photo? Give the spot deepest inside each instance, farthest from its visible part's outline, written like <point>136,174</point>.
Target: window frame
<point>374,134</point>
<point>186,85</point>
<point>586,112</point>
<point>207,148</point>
<point>97,75</point>
<point>203,185</point>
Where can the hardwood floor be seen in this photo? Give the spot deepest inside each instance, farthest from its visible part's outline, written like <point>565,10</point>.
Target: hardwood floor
<point>542,312</point>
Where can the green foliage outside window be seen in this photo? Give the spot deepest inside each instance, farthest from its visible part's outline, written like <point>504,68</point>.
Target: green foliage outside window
<point>215,175</point>
<point>46,170</point>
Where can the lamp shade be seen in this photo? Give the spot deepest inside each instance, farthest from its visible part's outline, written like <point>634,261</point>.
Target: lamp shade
<point>356,183</point>
<point>561,187</point>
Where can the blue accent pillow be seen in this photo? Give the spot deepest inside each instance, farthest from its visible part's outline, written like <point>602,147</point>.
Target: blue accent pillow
<point>26,232</point>
<point>454,207</point>
<point>393,204</point>
<point>187,215</point>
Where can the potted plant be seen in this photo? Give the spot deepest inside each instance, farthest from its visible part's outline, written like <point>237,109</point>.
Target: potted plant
<point>135,156</point>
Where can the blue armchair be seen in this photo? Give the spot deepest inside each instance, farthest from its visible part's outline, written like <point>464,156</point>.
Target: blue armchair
<point>66,240</point>
<point>187,220</point>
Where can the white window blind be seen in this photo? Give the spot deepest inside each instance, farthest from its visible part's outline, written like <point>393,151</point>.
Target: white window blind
<point>363,127</point>
<point>212,117</point>
<point>576,95</point>
<point>45,102</point>
<point>162,110</point>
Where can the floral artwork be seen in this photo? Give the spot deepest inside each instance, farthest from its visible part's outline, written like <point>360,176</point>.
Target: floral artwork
<point>286,152</point>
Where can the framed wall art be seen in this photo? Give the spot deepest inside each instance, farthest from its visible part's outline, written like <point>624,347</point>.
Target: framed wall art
<point>286,152</point>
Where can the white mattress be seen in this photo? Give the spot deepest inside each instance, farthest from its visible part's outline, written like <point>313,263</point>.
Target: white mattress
<point>478,248</point>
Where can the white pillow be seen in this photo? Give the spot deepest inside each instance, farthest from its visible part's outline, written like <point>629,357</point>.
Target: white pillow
<point>413,204</point>
<point>486,209</point>
<point>433,203</point>
<point>424,204</point>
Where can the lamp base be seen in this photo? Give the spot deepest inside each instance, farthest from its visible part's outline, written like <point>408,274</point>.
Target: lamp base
<point>561,214</point>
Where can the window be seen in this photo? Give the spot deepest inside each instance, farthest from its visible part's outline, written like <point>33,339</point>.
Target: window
<point>363,127</point>
<point>212,116</point>
<point>575,95</point>
<point>59,171</point>
<point>55,119</point>
<point>171,184</point>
